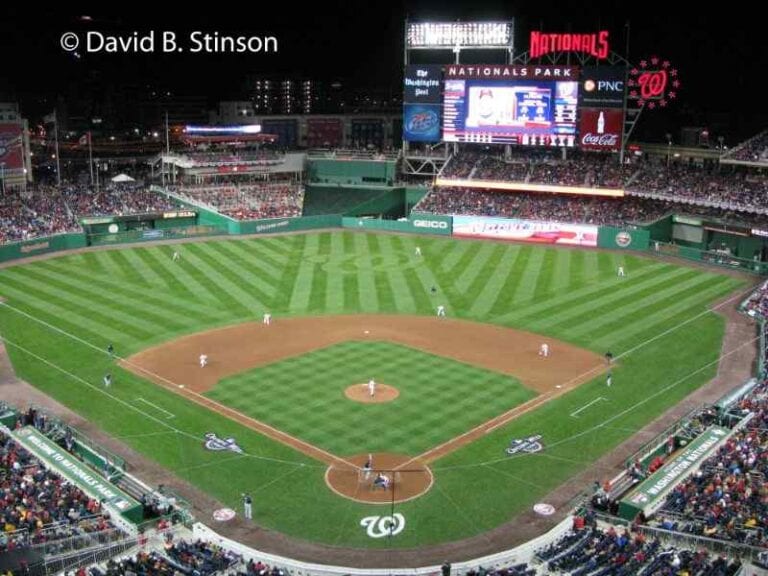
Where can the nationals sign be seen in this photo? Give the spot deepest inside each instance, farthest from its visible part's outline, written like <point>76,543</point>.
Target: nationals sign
<point>601,128</point>
<point>653,82</point>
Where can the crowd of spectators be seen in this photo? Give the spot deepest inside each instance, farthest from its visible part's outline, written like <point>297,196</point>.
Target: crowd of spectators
<point>39,506</point>
<point>596,210</point>
<point>116,200</point>
<point>702,185</point>
<point>235,157</point>
<point>753,150</point>
<point>589,550</point>
<point>249,201</point>
<point>38,212</point>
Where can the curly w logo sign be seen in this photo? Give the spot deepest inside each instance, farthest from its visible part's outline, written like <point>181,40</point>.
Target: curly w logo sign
<point>381,526</point>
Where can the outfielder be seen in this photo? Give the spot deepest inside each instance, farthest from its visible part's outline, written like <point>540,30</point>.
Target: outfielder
<point>418,251</point>
<point>203,360</point>
<point>371,387</point>
<point>108,380</point>
<point>544,350</point>
<point>621,273</point>
<point>267,318</point>
<point>441,310</point>
<point>609,379</point>
<point>176,256</point>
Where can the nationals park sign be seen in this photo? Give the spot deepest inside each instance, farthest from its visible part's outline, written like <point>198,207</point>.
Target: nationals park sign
<point>84,477</point>
<point>650,494</point>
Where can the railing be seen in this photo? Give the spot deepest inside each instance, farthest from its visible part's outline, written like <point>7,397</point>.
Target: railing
<point>709,257</point>
<point>694,541</point>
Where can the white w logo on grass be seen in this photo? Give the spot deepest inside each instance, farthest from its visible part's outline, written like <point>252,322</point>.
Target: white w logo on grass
<point>381,526</point>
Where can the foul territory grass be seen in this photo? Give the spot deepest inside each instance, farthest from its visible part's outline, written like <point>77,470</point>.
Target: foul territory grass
<point>304,396</point>
<point>136,296</point>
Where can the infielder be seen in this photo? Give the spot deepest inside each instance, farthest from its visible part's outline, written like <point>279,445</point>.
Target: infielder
<point>368,467</point>
<point>371,387</point>
<point>544,350</point>
<point>609,380</point>
<point>621,273</point>
<point>203,360</point>
<point>267,318</point>
<point>441,310</point>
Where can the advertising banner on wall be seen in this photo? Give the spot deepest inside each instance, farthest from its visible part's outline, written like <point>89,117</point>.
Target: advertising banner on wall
<point>602,86</point>
<point>600,129</point>
<point>11,146</point>
<point>525,231</point>
<point>421,122</point>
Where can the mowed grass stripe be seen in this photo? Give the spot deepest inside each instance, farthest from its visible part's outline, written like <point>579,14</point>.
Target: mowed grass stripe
<point>588,294</point>
<point>543,288</point>
<point>502,304</point>
<point>63,314</point>
<point>384,294</point>
<point>642,322</point>
<point>490,264</point>
<point>366,282</point>
<point>474,268</point>
<point>302,286</point>
<point>576,270</point>
<point>451,255</point>
<point>229,276</point>
<point>169,279</point>
<point>195,281</point>
<point>268,261</point>
<point>122,266</point>
<point>320,275</point>
<point>253,261</point>
<point>92,305</point>
<point>163,304</point>
<point>254,285</point>
<point>526,288</point>
<point>393,251</point>
<point>493,285</point>
<point>334,291</point>
<point>281,302</point>
<point>623,295</point>
<point>139,264</point>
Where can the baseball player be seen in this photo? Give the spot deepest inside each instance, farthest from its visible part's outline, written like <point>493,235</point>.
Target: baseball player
<point>544,350</point>
<point>368,467</point>
<point>111,350</point>
<point>418,251</point>
<point>609,379</point>
<point>108,380</point>
<point>441,310</point>
<point>371,387</point>
<point>248,506</point>
<point>203,360</point>
<point>621,273</point>
<point>267,318</point>
<point>176,256</point>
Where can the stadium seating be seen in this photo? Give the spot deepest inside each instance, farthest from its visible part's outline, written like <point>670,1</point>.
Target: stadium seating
<point>753,150</point>
<point>248,201</point>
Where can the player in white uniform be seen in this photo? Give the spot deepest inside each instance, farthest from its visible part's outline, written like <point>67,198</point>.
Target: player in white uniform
<point>441,310</point>
<point>418,251</point>
<point>609,379</point>
<point>267,318</point>
<point>203,360</point>
<point>371,387</point>
<point>621,273</point>
<point>108,380</point>
<point>368,467</point>
<point>544,350</point>
<point>176,256</point>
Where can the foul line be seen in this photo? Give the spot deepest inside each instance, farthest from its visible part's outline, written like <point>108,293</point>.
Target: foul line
<point>156,407</point>
<point>573,414</point>
<point>204,401</point>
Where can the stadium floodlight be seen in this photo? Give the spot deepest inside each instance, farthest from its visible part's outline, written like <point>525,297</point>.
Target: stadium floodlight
<point>247,129</point>
<point>463,34</point>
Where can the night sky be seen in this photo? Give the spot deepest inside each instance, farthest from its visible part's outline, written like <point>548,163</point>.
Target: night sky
<point>720,54</point>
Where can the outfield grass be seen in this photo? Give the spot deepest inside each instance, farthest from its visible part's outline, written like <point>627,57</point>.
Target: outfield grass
<point>304,396</point>
<point>136,297</point>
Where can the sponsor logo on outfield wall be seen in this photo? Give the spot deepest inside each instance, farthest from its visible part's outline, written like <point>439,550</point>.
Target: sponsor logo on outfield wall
<point>525,231</point>
<point>430,224</point>
<point>623,239</point>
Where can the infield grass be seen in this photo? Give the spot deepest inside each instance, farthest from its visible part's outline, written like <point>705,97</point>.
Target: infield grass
<point>135,297</point>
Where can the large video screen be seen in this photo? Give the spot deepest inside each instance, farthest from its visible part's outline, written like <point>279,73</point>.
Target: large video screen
<point>522,112</point>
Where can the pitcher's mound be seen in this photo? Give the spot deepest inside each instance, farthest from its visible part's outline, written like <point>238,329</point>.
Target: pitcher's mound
<point>408,478</point>
<point>360,393</point>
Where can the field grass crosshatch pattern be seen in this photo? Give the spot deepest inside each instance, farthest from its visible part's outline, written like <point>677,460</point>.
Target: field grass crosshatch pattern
<point>136,297</point>
<point>439,398</point>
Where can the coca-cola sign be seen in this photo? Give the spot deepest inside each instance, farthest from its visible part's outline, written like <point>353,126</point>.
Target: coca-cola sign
<point>601,128</point>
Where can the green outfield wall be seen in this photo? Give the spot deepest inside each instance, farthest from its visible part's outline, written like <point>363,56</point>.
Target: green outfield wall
<point>339,171</point>
<point>45,245</point>
<point>622,238</point>
<point>441,225</point>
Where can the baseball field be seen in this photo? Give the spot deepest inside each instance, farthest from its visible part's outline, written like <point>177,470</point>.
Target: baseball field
<point>348,307</point>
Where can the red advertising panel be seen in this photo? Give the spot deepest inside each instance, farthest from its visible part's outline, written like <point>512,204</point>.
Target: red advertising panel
<point>11,146</point>
<point>324,133</point>
<point>601,128</point>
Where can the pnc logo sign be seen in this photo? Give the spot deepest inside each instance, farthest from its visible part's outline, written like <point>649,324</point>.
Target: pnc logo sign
<point>604,85</point>
<point>436,224</point>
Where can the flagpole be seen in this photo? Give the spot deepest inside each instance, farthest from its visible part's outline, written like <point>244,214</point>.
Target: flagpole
<point>90,155</point>
<point>56,137</point>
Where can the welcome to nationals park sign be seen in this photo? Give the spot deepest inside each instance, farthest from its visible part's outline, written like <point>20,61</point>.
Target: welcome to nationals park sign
<point>648,496</point>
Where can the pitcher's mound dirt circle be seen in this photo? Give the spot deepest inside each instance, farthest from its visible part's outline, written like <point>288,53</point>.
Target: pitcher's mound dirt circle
<point>360,393</point>
<point>409,478</point>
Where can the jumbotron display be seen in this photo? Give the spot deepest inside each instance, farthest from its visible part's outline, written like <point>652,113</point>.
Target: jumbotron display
<point>522,105</point>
